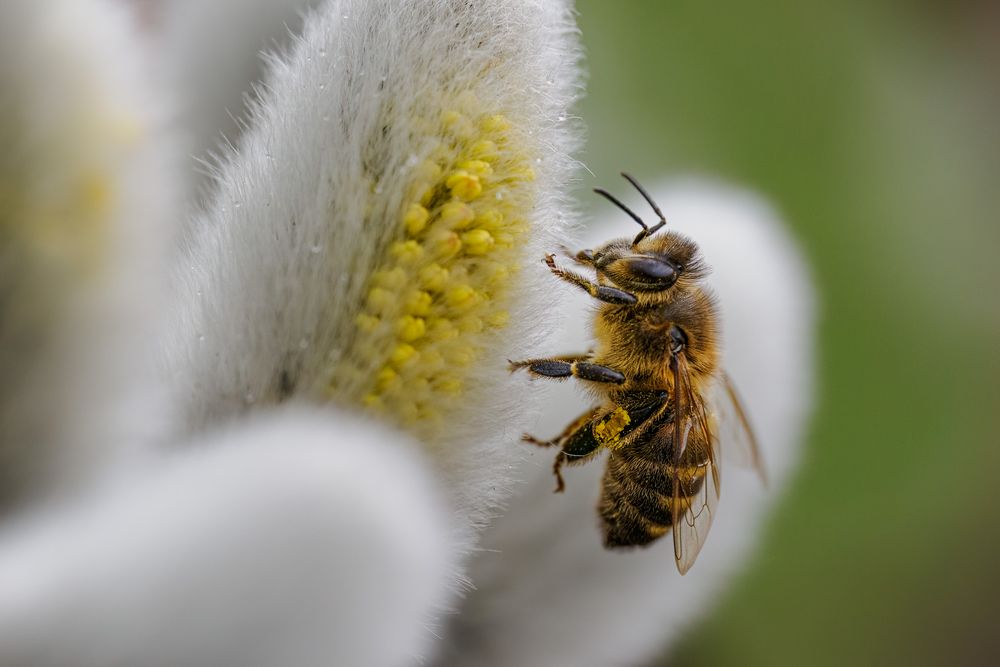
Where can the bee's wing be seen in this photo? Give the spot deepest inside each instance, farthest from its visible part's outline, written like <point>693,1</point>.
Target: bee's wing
<point>732,427</point>
<point>696,473</point>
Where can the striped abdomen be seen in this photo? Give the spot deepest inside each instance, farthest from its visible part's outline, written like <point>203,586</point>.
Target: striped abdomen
<point>638,485</point>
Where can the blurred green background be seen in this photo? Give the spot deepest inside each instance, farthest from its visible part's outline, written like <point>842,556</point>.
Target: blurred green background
<point>873,128</point>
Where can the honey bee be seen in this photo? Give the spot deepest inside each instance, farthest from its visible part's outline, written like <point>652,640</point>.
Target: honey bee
<point>666,404</point>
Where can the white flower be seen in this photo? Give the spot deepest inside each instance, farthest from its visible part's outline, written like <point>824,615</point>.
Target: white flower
<point>337,424</point>
<point>374,239</point>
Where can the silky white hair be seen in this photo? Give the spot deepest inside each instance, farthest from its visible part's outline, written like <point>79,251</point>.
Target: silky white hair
<point>281,254</point>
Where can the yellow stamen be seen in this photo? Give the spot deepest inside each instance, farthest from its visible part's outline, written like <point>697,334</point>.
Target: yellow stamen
<point>477,242</point>
<point>464,185</point>
<point>415,219</point>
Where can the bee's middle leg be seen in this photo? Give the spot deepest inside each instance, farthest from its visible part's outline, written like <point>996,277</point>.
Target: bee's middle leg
<point>567,367</point>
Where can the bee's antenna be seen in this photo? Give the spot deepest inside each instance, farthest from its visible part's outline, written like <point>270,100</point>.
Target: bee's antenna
<point>663,220</point>
<point>610,197</point>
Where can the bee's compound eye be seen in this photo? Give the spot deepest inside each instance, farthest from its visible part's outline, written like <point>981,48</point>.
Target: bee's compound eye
<point>654,272</point>
<point>586,255</point>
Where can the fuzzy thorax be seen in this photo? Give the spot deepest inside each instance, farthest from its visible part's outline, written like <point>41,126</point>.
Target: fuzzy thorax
<point>443,283</point>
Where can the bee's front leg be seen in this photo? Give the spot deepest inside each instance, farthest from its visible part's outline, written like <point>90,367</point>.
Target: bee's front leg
<point>600,292</point>
<point>564,367</point>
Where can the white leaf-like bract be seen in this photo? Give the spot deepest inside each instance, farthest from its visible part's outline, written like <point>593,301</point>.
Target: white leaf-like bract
<point>373,239</point>
<point>303,539</point>
<point>547,592</point>
<point>85,186</point>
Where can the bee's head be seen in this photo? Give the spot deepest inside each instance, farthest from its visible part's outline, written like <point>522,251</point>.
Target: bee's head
<point>654,264</point>
<point>649,263</point>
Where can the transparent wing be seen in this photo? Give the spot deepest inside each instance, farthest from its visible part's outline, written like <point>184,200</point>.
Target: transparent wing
<point>697,479</point>
<point>732,427</point>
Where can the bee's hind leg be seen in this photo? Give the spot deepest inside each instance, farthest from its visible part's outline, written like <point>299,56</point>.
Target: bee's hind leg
<point>576,443</point>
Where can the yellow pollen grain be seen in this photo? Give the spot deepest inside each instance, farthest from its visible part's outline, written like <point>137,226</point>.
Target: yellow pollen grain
<point>608,429</point>
<point>461,296</point>
<point>419,303</point>
<point>491,219</point>
<point>411,328</point>
<point>448,245</point>
<point>442,329</point>
<point>380,298</point>
<point>504,239</point>
<point>415,219</point>
<point>479,168</point>
<point>367,323</point>
<point>457,215</point>
<point>431,360</point>
<point>434,277</point>
<point>391,279</point>
<point>408,251</point>
<point>477,242</point>
<point>464,185</point>
<point>403,353</point>
<point>387,380</point>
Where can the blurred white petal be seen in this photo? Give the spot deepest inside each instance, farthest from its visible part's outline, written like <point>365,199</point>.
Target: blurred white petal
<point>211,54</point>
<point>374,235</point>
<point>547,593</point>
<point>85,191</point>
<point>299,539</point>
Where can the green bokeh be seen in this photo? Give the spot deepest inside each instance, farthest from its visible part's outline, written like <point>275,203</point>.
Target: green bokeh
<point>872,127</point>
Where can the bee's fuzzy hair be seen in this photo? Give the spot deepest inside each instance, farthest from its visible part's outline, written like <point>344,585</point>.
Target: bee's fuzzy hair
<point>545,553</point>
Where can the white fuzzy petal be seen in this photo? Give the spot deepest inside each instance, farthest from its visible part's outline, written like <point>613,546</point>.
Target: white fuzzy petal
<point>314,199</point>
<point>85,195</point>
<point>547,593</point>
<point>299,539</point>
<point>211,56</point>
